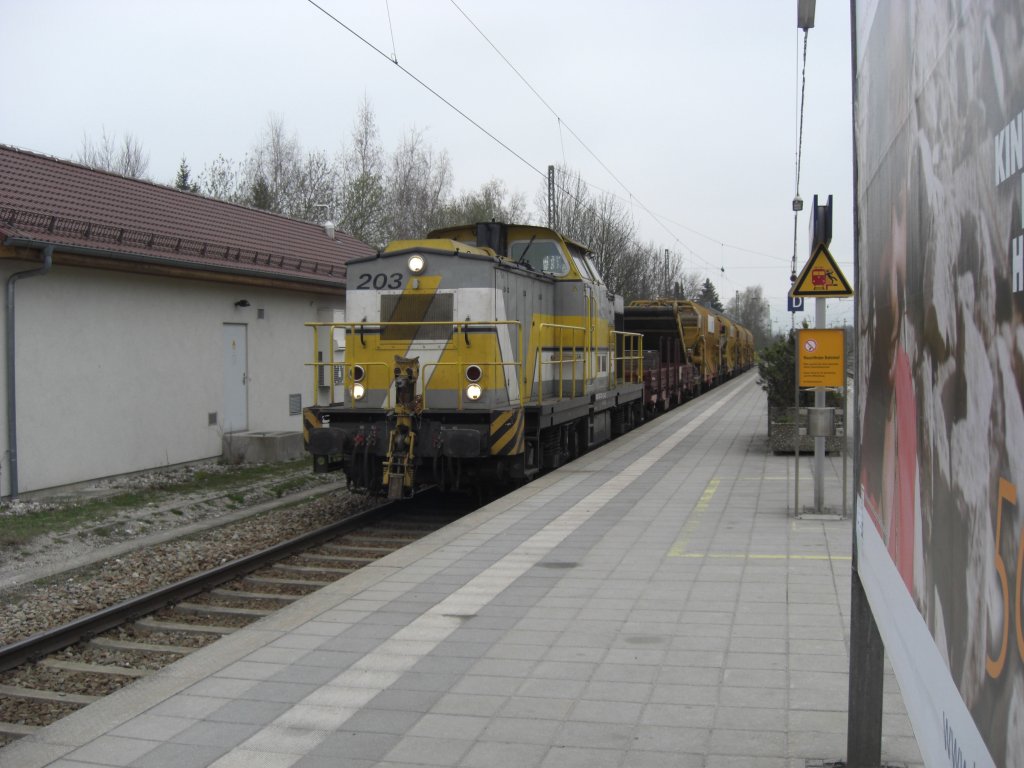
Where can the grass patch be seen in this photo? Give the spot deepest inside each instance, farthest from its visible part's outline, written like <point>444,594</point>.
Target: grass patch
<point>289,486</point>
<point>67,515</point>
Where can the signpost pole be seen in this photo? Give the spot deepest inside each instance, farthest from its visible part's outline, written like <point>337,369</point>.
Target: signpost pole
<point>797,439</point>
<point>819,441</point>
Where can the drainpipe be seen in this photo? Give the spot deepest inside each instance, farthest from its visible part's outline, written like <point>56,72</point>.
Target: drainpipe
<point>12,411</point>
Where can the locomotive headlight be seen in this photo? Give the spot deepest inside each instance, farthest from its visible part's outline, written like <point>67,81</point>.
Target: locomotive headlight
<point>358,373</point>
<point>473,391</point>
<point>416,263</point>
<point>473,373</point>
<point>358,390</point>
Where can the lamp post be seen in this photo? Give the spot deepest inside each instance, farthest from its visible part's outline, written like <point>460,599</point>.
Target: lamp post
<point>805,14</point>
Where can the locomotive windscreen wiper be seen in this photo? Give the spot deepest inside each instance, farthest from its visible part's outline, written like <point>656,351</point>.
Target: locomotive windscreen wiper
<point>522,256</point>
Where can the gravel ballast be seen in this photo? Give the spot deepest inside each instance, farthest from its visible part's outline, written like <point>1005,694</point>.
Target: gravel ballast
<point>219,531</point>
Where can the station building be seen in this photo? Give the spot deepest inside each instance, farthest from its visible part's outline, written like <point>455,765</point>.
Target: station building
<point>145,326</point>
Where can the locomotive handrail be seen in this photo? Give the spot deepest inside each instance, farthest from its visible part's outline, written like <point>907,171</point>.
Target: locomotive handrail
<point>331,364</point>
<point>577,356</point>
<point>348,380</point>
<point>457,326</point>
<point>632,352</point>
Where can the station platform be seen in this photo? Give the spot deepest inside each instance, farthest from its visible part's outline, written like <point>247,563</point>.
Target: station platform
<point>655,603</point>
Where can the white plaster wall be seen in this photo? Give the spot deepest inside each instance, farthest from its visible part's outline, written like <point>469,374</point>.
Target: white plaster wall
<point>118,372</point>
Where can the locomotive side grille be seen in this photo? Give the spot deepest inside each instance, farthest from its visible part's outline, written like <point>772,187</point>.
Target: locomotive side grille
<point>417,308</point>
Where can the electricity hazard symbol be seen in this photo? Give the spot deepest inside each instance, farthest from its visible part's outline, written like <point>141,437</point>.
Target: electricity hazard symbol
<point>821,277</point>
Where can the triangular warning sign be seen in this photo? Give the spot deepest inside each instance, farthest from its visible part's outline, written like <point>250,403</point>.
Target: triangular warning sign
<point>821,277</point>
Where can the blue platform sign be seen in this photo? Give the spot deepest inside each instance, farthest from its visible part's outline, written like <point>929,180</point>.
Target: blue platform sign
<point>795,304</point>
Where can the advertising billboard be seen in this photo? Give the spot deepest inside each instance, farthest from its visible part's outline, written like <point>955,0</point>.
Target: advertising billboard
<point>939,145</point>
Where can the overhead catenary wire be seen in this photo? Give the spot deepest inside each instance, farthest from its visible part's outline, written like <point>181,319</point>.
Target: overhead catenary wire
<point>391,27</point>
<point>551,109</point>
<point>799,154</point>
<point>799,144</point>
<point>632,198</point>
<point>393,59</point>
<point>421,83</point>
<point>434,92</point>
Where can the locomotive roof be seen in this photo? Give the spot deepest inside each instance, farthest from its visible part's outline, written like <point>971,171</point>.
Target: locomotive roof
<point>464,241</point>
<point>431,245</point>
<point>461,231</point>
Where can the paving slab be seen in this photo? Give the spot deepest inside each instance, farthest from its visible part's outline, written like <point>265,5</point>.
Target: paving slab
<point>656,603</point>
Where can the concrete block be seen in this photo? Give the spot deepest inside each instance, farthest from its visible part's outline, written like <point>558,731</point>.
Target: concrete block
<point>262,447</point>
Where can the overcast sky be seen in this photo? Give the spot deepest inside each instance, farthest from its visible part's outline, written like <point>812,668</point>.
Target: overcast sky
<point>692,105</point>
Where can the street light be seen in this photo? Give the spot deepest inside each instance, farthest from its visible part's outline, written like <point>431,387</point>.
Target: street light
<point>805,14</point>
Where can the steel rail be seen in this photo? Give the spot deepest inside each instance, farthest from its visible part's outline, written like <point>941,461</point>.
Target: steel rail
<point>53,640</point>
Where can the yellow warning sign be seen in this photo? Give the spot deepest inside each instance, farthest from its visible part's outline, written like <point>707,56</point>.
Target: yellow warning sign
<point>821,277</point>
<point>820,357</point>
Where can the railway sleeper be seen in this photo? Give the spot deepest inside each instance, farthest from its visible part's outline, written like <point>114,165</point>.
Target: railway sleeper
<point>111,644</point>
<point>373,542</point>
<point>309,569</point>
<point>16,691</point>
<point>271,581</point>
<point>237,594</point>
<point>202,609</point>
<point>346,549</point>
<point>158,625</point>
<point>17,729</point>
<point>319,556</point>
<point>419,527</point>
<point>94,669</point>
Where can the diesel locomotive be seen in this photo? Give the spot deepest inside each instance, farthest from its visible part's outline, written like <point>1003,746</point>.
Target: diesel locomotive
<point>479,357</point>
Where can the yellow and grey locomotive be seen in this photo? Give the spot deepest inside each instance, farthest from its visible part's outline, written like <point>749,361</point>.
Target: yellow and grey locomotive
<point>476,357</point>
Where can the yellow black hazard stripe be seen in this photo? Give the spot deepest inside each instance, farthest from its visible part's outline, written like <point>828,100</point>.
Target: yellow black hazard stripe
<point>310,421</point>
<point>507,432</point>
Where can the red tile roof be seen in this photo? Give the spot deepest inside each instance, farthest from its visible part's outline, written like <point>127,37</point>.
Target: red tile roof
<point>44,200</point>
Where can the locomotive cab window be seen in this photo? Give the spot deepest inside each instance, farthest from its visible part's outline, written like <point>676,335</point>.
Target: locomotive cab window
<point>586,269</point>
<point>541,255</point>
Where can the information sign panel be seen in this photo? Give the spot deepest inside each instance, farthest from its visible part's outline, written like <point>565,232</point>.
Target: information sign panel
<point>820,355</point>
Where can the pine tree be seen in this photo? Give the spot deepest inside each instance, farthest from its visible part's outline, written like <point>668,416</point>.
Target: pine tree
<point>709,297</point>
<point>184,180</point>
<point>260,195</point>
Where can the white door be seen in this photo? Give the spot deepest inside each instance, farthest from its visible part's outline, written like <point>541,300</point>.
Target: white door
<point>236,384</point>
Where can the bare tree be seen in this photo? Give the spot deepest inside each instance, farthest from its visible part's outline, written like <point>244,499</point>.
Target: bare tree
<point>277,160</point>
<point>604,224</point>
<point>126,157</point>
<point>362,192</point>
<point>221,179</point>
<point>418,188</point>
<point>573,206</point>
<point>750,309</point>
<point>687,286</point>
<point>612,237</point>
<point>277,175</point>
<point>315,186</point>
<point>493,201</point>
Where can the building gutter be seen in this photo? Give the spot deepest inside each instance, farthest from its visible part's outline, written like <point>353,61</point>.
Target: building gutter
<point>12,410</point>
<point>334,283</point>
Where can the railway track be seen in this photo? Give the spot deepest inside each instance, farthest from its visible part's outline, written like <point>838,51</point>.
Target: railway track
<point>46,677</point>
